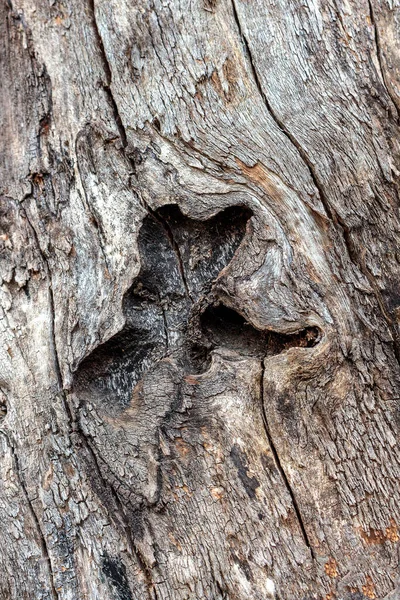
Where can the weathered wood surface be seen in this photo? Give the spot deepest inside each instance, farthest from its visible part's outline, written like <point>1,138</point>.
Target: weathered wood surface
<point>199,366</point>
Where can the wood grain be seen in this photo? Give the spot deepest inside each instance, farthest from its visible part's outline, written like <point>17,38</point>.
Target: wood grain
<point>199,358</point>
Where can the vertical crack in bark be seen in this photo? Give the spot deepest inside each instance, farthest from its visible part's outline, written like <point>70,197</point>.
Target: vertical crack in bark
<point>124,141</point>
<point>106,85</point>
<point>165,323</point>
<point>108,75</point>
<point>174,247</point>
<point>53,344</point>
<point>379,57</point>
<point>280,467</point>
<point>42,538</point>
<point>278,122</point>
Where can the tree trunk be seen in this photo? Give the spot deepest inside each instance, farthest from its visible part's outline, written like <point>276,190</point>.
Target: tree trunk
<point>199,358</point>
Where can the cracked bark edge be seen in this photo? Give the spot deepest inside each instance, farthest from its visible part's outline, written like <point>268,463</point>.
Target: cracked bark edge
<point>335,218</point>
<point>74,427</point>
<point>279,466</point>
<point>74,424</point>
<point>380,60</point>
<point>124,142</point>
<point>42,537</point>
<point>53,343</point>
<point>126,528</point>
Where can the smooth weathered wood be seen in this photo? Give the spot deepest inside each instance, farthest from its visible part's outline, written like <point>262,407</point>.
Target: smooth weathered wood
<point>199,367</point>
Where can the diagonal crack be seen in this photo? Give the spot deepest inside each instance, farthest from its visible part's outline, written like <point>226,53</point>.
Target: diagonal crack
<point>278,121</point>
<point>279,465</point>
<point>106,85</point>
<point>175,247</point>
<point>331,213</point>
<point>312,172</point>
<point>127,529</point>
<point>336,219</point>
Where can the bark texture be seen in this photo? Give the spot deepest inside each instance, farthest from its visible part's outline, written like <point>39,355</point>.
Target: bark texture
<point>200,300</point>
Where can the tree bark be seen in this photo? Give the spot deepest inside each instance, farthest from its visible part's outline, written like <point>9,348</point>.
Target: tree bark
<point>199,358</point>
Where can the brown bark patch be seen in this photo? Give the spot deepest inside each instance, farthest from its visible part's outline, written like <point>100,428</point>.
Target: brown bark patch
<point>331,568</point>
<point>174,541</point>
<point>369,588</point>
<point>392,533</point>
<point>217,492</point>
<point>182,447</point>
<point>260,176</point>
<point>225,87</point>
<point>379,536</point>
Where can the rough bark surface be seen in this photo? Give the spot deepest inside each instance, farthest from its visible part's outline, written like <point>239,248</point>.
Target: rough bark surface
<point>200,299</point>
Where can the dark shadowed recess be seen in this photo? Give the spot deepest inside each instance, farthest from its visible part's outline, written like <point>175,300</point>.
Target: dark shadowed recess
<point>224,327</point>
<point>114,572</point>
<point>172,310</point>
